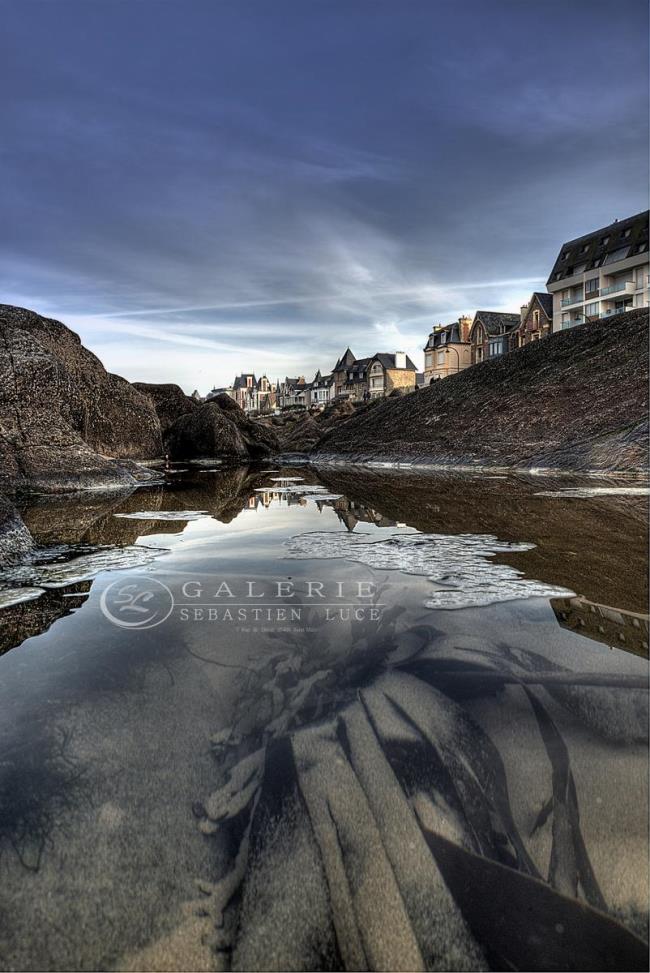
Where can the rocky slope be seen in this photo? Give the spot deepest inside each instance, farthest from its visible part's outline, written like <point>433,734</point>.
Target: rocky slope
<point>65,422</point>
<point>577,400</point>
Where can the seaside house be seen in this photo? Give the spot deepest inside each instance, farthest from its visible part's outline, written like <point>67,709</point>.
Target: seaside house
<point>363,378</point>
<point>322,389</point>
<point>387,372</point>
<point>492,334</point>
<point>536,319</point>
<point>294,392</point>
<point>448,350</point>
<point>602,273</point>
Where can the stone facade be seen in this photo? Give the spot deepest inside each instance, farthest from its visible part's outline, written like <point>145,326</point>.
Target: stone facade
<point>492,335</point>
<point>448,350</point>
<point>536,319</point>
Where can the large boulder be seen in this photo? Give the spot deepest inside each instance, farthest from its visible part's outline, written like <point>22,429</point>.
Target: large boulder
<point>220,428</point>
<point>65,422</point>
<point>205,432</point>
<point>170,402</point>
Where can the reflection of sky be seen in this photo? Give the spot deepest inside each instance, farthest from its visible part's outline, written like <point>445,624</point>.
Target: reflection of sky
<point>204,188</point>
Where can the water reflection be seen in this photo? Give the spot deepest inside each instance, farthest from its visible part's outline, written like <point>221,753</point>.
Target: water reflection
<point>430,789</point>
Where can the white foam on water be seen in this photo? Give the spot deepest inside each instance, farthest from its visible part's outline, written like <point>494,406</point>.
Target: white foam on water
<point>579,493</point>
<point>36,577</point>
<point>164,515</point>
<point>459,565</point>
<point>14,596</point>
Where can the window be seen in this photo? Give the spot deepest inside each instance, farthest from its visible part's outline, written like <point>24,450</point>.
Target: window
<point>441,358</point>
<point>616,255</point>
<point>585,248</point>
<point>591,310</point>
<point>536,318</point>
<point>591,286</point>
<point>566,255</point>
<point>428,359</point>
<point>604,241</point>
<point>626,233</point>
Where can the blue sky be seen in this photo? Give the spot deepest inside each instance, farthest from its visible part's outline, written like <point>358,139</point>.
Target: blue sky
<point>200,188</point>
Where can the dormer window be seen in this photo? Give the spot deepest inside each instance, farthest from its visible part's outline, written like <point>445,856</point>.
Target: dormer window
<point>604,241</point>
<point>627,233</point>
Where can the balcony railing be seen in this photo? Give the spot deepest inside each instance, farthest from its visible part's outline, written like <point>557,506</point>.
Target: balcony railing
<point>568,301</point>
<point>623,285</point>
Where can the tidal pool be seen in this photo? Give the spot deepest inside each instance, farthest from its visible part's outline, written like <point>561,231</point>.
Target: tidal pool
<point>303,719</point>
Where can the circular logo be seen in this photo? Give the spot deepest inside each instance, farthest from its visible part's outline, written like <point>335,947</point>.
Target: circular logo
<point>136,602</point>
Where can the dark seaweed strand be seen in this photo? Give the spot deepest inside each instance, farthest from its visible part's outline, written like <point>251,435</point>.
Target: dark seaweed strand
<point>564,792</point>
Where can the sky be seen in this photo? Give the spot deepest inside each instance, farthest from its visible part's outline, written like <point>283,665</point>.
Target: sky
<point>200,188</point>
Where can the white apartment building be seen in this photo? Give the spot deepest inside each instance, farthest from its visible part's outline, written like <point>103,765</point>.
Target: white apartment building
<point>601,274</point>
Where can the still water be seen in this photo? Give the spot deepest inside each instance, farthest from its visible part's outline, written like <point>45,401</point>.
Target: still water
<point>299,719</point>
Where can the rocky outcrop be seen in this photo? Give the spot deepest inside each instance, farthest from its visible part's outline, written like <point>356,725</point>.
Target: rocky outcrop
<point>65,422</point>
<point>15,539</point>
<point>170,402</point>
<point>205,432</point>
<point>577,400</point>
<point>300,432</point>
<point>219,428</point>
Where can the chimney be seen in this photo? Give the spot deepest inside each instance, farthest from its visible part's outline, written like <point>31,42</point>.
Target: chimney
<point>400,359</point>
<point>464,326</point>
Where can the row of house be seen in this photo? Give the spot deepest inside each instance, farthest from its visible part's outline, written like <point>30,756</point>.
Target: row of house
<point>598,275</point>
<point>358,379</point>
<point>603,273</point>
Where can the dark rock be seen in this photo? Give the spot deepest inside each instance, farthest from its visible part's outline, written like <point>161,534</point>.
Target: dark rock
<point>15,539</point>
<point>577,400</point>
<point>64,420</point>
<point>301,432</point>
<point>205,432</point>
<point>170,402</point>
<point>219,428</point>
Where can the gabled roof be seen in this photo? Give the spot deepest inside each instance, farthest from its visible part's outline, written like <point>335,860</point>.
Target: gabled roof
<point>495,322</point>
<point>618,240</point>
<point>346,359</point>
<point>388,361</point>
<point>545,302</point>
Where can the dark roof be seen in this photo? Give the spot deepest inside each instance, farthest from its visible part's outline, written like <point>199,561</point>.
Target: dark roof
<point>445,335</point>
<point>545,301</point>
<point>591,251</point>
<point>388,361</point>
<point>495,322</point>
<point>346,359</point>
<point>240,381</point>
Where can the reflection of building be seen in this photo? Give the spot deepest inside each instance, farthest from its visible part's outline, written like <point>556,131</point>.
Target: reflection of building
<point>448,350</point>
<point>602,273</point>
<point>614,626</point>
<point>351,513</point>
